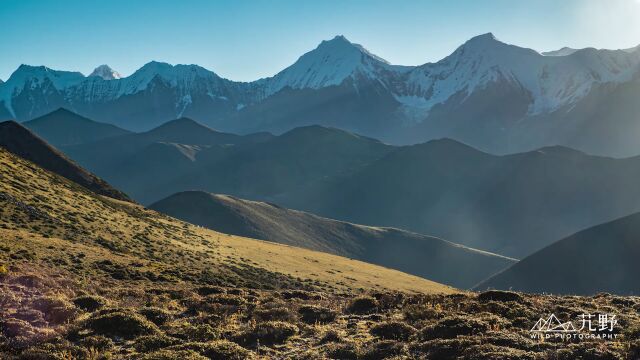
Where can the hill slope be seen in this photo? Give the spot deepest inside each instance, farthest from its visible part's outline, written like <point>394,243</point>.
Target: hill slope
<point>229,165</point>
<point>603,258</point>
<point>511,205</point>
<point>52,218</point>
<point>63,127</point>
<point>425,256</point>
<point>22,142</point>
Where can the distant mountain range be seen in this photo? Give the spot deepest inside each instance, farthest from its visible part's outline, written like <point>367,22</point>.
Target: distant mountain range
<point>416,254</point>
<point>63,128</point>
<point>494,96</point>
<point>603,258</point>
<point>511,205</point>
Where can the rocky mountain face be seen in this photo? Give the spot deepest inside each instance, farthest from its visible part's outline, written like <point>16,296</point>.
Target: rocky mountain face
<point>494,96</point>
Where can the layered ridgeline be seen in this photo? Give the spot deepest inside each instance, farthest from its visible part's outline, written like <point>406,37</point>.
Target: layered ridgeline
<point>63,127</point>
<point>491,95</point>
<point>511,205</point>
<point>425,256</point>
<point>59,226</point>
<point>603,258</point>
<point>20,141</point>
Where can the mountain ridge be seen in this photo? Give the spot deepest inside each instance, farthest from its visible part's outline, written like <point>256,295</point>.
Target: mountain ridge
<point>486,93</point>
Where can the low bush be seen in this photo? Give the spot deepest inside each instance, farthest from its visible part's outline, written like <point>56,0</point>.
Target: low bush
<point>150,343</point>
<point>314,314</point>
<point>452,327</point>
<point>220,349</point>
<point>155,315</point>
<point>275,314</point>
<point>269,333</point>
<point>393,330</point>
<point>499,295</point>
<point>90,303</point>
<point>121,324</point>
<point>363,305</point>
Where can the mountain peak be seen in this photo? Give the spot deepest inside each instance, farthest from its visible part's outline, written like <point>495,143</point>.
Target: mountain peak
<point>329,64</point>
<point>105,72</point>
<point>487,40</point>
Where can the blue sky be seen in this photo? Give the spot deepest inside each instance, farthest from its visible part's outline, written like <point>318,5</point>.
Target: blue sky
<point>246,40</point>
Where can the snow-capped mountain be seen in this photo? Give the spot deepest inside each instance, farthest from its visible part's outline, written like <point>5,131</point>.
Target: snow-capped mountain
<point>492,95</point>
<point>330,64</point>
<point>105,72</point>
<point>552,82</point>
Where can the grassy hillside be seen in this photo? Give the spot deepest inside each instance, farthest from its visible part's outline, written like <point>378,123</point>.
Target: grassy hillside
<point>603,258</point>
<point>22,142</point>
<point>425,256</point>
<point>63,127</point>
<point>89,277</point>
<point>38,202</point>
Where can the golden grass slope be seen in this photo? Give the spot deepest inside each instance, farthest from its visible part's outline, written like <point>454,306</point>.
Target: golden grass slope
<point>50,222</point>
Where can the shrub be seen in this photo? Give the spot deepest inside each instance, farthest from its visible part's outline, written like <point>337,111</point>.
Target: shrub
<point>226,299</point>
<point>492,352</point>
<point>269,333</point>
<point>393,330</point>
<point>275,314</point>
<point>312,314</point>
<point>12,328</point>
<point>90,303</point>
<point>331,336</point>
<point>587,351</point>
<point>155,315</point>
<point>121,323</point>
<point>194,333</point>
<point>98,342</point>
<point>363,305</point>
<point>346,351</point>
<point>452,327</point>
<point>209,290</point>
<point>499,295</point>
<point>56,309</point>
<point>420,312</point>
<point>173,355</point>
<point>3,271</point>
<point>301,294</point>
<point>445,348</point>
<point>384,350</point>
<point>221,349</point>
<point>150,343</point>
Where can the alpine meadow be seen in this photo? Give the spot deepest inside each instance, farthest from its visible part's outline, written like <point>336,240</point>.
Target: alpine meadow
<point>253,180</point>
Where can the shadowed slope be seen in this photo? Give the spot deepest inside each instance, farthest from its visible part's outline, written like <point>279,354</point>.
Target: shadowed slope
<point>417,254</point>
<point>603,258</point>
<point>22,142</point>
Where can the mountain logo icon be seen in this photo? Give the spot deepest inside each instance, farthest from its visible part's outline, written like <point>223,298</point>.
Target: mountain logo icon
<point>553,324</point>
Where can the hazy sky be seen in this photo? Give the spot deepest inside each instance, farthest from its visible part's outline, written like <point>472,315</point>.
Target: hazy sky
<point>246,40</point>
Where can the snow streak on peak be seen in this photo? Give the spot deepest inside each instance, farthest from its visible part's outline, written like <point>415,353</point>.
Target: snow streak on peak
<point>565,51</point>
<point>105,72</point>
<point>28,77</point>
<point>551,81</point>
<point>329,64</point>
